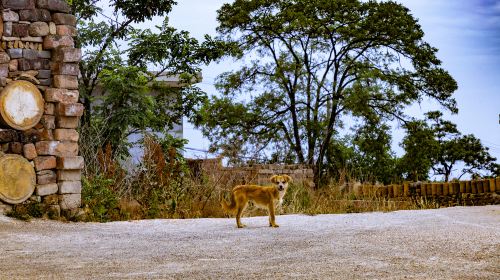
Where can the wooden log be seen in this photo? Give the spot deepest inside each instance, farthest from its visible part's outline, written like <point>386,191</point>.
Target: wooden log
<point>473,186</point>
<point>479,184</point>
<point>17,179</point>
<point>492,185</point>
<point>462,187</point>
<point>21,105</point>
<point>446,188</point>
<point>423,189</point>
<point>434,189</point>
<point>468,186</point>
<point>406,189</point>
<point>439,188</point>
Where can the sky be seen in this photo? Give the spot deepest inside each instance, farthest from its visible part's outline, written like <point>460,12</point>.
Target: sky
<point>466,32</point>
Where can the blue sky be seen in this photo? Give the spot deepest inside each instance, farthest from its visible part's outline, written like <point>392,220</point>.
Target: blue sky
<point>467,34</point>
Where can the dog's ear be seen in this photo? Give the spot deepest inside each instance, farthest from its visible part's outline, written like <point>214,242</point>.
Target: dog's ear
<point>273,179</point>
<point>288,178</point>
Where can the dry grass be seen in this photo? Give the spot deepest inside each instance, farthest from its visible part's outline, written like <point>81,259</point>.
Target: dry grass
<point>165,187</point>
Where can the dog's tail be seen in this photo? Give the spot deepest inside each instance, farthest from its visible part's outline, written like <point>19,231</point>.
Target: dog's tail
<point>228,207</point>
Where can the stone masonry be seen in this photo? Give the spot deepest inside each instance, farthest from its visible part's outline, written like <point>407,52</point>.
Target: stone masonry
<point>37,42</point>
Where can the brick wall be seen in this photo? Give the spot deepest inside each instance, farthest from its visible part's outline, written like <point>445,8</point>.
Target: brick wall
<point>37,42</point>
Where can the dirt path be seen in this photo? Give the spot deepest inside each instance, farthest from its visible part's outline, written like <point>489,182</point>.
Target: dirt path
<point>450,243</point>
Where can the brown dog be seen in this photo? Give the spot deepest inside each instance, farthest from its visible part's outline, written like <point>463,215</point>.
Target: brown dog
<point>260,195</point>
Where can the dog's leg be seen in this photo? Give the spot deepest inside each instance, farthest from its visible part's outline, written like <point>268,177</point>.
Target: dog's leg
<point>272,222</point>
<point>241,207</point>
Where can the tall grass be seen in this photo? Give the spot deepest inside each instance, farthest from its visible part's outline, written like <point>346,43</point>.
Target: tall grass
<point>163,186</point>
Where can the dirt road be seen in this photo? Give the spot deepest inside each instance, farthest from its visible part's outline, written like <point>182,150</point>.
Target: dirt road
<point>450,243</point>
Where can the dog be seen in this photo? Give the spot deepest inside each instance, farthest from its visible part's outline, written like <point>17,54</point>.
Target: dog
<point>263,196</point>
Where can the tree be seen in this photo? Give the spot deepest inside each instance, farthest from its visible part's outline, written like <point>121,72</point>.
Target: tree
<point>121,63</point>
<point>453,147</point>
<point>420,148</point>
<point>312,63</point>
<point>438,145</point>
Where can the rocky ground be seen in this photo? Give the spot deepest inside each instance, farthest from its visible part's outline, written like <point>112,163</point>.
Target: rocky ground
<point>450,243</point>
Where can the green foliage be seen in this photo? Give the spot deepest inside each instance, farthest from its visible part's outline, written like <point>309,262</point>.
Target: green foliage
<point>311,63</point>
<point>99,199</point>
<point>121,64</point>
<point>436,143</point>
<point>27,210</point>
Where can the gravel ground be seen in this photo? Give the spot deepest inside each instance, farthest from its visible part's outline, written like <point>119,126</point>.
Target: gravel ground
<point>449,243</point>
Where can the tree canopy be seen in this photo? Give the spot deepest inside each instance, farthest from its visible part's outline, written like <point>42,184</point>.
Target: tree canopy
<point>310,67</point>
<point>122,61</point>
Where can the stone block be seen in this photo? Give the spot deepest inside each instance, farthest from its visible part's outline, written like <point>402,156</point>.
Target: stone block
<point>52,28</point>
<point>29,151</point>
<point>70,201</point>
<point>30,54</point>
<point>62,134</point>
<point>54,5</point>
<point>45,163</point>
<point>66,54</point>
<point>69,175</point>
<point>16,148</point>
<point>34,15</point>
<point>48,121</point>
<point>61,95</point>
<point>46,177</point>
<point>44,74</point>
<point>66,19</point>
<point>24,64</point>
<point>69,109</point>
<point>57,148</point>
<point>20,30</point>
<point>67,122</point>
<point>7,28</point>
<point>47,189</point>
<point>44,54</point>
<point>13,65</point>
<point>4,58</point>
<point>40,64</point>
<point>66,30</point>
<point>70,163</point>
<point>8,135</point>
<point>18,4</point>
<point>49,108</point>
<point>53,41</point>
<point>4,70</point>
<point>10,16</point>
<point>38,28</point>
<point>45,82</point>
<point>46,134</point>
<point>66,69</point>
<point>32,39</point>
<point>70,187</point>
<point>65,81</point>
<point>15,53</point>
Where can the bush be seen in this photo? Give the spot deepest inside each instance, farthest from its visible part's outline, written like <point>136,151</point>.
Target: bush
<point>100,201</point>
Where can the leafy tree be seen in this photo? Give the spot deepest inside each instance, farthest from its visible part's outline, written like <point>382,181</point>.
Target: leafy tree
<point>117,60</point>
<point>438,145</point>
<point>375,161</point>
<point>420,148</point>
<point>311,63</point>
<point>454,147</point>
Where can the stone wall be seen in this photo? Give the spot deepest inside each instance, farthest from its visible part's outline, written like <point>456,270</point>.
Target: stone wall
<point>254,174</point>
<point>37,45</point>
